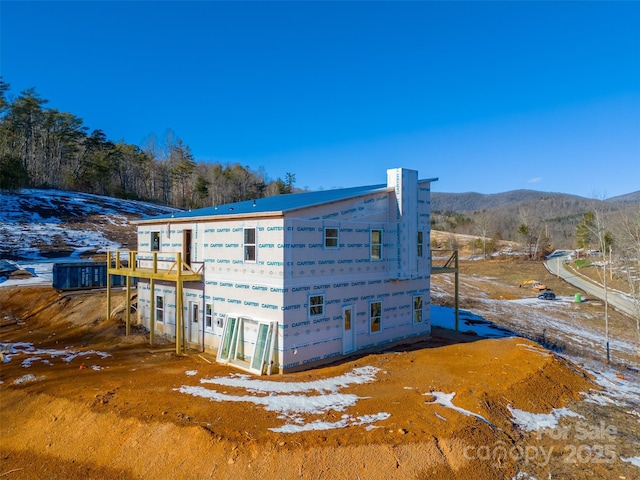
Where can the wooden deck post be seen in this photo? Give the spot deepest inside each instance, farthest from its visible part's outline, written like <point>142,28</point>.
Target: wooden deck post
<point>128,303</point>
<point>179,313</point>
<point>152,311</point>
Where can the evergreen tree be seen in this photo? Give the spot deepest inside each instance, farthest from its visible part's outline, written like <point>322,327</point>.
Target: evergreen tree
<point>44,148</point>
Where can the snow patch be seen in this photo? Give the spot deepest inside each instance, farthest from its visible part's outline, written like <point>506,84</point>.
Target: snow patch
<point>523,476</point>
<point>11,350</point>
<point>534,349</point>
<point>446,400</point>
<point>357,376</point>
<point>534,421</point>
<point>347,421</point>
<point>30,219</point>
<point>291,399</point>
<point>25,379</point>
<point>632,460</point>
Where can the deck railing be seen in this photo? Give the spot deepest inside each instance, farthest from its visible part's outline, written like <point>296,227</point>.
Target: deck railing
<point>157,264</point>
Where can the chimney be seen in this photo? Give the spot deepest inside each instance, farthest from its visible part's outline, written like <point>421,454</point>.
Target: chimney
<point>403,220</point>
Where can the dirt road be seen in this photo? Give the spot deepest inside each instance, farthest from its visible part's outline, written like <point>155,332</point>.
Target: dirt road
<point>615,298</point>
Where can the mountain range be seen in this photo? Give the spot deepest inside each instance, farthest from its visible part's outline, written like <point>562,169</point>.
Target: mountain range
<point>472,201</point>
<point>553,216</point>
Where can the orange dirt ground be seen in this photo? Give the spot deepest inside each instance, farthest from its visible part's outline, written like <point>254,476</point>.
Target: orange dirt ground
<point>127,421</point>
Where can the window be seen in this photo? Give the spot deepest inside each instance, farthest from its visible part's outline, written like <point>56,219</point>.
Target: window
<point>316,305</point>
<point>249,344</point>
<point>420,243</point>
<point>249,244</point>
<point>257,361</point>
<point>208,316</point>
<point>229,335</point>
<point>375,316</point>
<point>331,237</point>
<point>159,308</point>
<point>155,241</point>
<point>376,244</point>
<point>417,309</point>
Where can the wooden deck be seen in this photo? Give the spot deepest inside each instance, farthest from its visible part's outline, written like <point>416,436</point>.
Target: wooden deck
<point>170,267</point>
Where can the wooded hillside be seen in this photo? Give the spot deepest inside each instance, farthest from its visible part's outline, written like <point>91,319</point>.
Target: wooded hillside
<point>42,147</point>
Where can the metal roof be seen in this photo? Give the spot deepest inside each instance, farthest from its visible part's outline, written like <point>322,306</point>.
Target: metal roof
<point>277,204</point>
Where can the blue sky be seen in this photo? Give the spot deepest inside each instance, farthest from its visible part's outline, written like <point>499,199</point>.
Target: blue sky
<point>486,96</point>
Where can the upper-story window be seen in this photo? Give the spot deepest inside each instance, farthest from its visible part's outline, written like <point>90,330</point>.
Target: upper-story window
<point>420,242</point>
<point>155,241</point>
<point>249,244</point>
<point>376,244</point>
<point>330,237</point>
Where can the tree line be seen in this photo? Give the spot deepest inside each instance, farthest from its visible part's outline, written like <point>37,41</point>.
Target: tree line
<point>42,147</point>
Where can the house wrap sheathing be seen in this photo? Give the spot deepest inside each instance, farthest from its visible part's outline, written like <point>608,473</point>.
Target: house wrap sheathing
<point>293,281</point>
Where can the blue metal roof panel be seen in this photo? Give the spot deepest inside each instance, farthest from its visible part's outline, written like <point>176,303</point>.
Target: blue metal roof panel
<point>276,204</point>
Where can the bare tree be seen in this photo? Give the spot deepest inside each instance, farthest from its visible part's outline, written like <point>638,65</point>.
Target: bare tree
<point>630,257</point>
<point>531,232</point>
<point>483,224</point>
<point>598,230</point>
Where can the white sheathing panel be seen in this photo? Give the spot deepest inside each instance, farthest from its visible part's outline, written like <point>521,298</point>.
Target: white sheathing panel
<point>306,255</point>
<point>309,258</point>
<point>192,293</point>
<point>311,338</point>
<point>171,241</point>
<point>167,291</point>
<point>223,251</point>
<point>424,224</point>
<point>250,289</point>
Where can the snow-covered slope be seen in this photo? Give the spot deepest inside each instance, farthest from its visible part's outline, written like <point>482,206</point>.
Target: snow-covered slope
<point>38,224</point>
